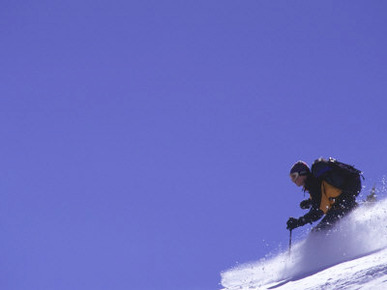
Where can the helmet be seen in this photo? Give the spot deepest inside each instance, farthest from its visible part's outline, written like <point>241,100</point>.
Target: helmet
<point>300,167</point>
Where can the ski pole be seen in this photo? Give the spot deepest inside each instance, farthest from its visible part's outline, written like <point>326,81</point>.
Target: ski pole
<point>290,241</point>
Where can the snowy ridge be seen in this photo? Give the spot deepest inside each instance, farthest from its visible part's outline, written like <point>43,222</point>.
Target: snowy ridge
<point>352,256</point>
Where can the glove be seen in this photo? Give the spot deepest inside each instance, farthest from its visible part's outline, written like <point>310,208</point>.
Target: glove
<point>292,223</point>
<point>305,204</point>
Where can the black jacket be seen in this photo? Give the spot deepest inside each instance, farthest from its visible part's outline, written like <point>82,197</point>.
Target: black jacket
<point>313,187</point>
<point>342,204</point>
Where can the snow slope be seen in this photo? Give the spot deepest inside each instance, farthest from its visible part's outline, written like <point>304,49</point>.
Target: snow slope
<point>354,256</point>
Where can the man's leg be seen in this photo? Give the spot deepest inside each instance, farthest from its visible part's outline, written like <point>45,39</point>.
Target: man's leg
<point>329,220</point>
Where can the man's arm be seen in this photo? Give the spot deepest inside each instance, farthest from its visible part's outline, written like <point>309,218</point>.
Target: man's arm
<point>313,215</point>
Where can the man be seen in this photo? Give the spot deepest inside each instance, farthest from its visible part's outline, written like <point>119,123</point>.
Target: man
<point>332,186</point>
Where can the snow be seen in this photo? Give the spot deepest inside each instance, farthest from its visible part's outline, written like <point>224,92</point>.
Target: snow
<point>353,256</point>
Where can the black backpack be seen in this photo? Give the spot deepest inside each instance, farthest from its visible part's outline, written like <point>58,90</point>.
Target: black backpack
<point>343,176</point>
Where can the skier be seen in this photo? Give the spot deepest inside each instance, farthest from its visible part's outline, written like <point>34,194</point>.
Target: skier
<point>332,186</point>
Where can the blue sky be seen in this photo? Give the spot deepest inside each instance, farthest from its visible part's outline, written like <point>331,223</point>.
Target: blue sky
<point>147,144</point>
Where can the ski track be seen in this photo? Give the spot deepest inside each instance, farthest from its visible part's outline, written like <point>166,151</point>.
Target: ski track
<point>353,256</point>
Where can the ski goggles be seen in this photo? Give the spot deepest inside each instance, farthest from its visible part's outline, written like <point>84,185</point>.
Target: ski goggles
<point>294,176</point>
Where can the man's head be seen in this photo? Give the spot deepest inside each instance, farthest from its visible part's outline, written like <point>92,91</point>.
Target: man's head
<point>299,172</point>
